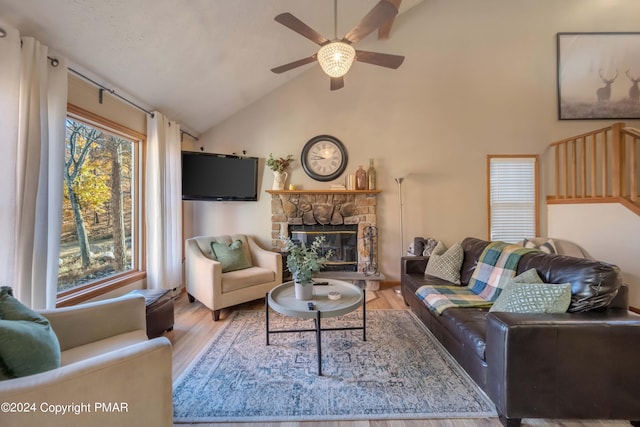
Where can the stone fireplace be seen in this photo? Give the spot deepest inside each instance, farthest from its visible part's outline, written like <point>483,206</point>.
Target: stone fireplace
<point>327,210</point>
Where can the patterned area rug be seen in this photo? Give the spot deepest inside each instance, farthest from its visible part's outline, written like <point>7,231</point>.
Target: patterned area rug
<point>400,372</point>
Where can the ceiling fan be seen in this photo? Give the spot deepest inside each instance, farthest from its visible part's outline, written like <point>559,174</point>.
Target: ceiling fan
<point>336,56</point>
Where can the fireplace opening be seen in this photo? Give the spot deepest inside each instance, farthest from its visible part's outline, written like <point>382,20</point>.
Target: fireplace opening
<point>342,240</point>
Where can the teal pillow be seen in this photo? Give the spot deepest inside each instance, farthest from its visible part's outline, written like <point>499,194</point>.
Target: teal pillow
<point>231,256</point>
<point>28,345</point>
<point>533,298</point>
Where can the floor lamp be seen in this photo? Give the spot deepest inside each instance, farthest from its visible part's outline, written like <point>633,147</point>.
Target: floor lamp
<point>399,180</point>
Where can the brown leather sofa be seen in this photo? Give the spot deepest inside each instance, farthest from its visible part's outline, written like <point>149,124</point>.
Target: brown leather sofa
<point>583,364</point>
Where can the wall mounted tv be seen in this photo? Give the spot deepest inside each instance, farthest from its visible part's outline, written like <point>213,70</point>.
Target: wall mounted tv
<point>219,177</point>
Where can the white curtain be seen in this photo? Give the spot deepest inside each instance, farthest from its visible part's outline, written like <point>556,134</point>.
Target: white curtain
<point>9,101</point>
<point>34,187</point>
<point>163,204</point>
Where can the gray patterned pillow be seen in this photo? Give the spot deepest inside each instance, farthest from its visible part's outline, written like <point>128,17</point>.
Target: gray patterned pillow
<point>446,265</point>
<point>430,246</point>
<point>548,246</point>
<point>533,298</point>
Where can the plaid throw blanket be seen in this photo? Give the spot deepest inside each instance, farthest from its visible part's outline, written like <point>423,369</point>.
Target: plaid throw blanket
<point>496,266</point>
<point>440,298</point>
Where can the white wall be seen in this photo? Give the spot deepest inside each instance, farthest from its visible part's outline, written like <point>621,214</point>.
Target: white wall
<point>608,231</point>
<point>479,78</point>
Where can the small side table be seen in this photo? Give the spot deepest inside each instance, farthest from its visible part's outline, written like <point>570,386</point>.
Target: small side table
<point>286,274</point>
<point>283,300</point>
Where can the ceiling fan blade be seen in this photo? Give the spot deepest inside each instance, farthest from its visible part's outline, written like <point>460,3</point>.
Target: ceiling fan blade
<point>377,16</point>
<point>294,64</point>
<point>293,23</point>
<point>337,83</point>
<point>381,59</point>
<point>385,30</point>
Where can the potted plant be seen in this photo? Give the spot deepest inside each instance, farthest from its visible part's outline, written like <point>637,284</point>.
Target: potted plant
<point>279,167</point>
<point>304,262</point>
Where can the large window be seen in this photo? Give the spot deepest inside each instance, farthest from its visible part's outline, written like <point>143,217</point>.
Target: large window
<point>513,197</point>
<point>100,236</point>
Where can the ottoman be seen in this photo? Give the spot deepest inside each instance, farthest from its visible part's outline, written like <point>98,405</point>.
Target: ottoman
<point>159,305</point>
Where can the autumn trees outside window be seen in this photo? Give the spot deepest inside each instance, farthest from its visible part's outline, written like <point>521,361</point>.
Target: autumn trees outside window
<point>100,236</point>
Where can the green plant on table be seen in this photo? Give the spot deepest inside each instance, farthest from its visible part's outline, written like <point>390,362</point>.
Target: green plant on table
<point>304,261</point>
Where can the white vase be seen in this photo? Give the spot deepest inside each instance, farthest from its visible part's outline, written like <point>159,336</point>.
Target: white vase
<point>303,291</point>
<point>279,178</point>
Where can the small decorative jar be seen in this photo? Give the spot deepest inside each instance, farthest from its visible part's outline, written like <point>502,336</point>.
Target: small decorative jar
<point>361,179</point>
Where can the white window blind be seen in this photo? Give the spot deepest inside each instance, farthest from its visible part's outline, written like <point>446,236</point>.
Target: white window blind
<point>512,198</point>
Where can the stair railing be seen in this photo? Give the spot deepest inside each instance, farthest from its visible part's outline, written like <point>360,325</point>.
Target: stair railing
<point>597,166</point>
<point>631,139</point>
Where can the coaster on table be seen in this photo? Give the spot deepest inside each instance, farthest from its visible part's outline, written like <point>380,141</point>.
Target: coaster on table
<point>334,295</point>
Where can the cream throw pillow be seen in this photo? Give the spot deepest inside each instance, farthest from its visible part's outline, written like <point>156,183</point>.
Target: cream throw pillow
<point>446,264</point>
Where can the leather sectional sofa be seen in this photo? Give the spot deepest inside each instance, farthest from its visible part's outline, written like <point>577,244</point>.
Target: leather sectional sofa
<point>583,364</point>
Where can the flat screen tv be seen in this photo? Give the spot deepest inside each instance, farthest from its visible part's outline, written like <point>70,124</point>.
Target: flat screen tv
<point>219,177</point>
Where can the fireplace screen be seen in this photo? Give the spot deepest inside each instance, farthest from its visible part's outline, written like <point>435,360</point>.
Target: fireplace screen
<point>342,240</point>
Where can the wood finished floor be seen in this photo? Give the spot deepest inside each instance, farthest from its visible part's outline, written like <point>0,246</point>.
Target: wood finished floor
<point>194,328</point>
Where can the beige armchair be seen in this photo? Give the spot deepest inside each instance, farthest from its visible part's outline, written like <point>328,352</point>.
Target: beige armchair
<point>216,290</point>
<point>111,373</point>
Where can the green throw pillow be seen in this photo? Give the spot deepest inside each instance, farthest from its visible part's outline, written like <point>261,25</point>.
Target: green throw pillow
<point>529,276</point>
<point>439,249</point>
<point>28,345</point>
<point>533,298</point>
<point>231,256</point>
<point>446,265</point>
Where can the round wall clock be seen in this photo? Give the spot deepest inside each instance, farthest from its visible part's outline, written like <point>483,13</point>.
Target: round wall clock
<point>324,158</point>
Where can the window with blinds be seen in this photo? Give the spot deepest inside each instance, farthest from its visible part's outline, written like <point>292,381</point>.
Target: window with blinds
<point>513,197</point>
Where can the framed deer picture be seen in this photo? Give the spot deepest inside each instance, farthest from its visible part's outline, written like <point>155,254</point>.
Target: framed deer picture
<point>598,76</point>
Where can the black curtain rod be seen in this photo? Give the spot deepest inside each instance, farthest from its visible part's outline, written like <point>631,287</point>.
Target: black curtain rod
<point>111,91</point>
<point>102,87</point>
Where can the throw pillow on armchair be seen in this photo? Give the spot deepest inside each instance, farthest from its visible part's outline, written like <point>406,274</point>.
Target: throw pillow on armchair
<point>28,344</point>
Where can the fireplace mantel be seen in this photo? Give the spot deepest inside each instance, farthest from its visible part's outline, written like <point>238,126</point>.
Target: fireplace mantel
<point>323,191</point>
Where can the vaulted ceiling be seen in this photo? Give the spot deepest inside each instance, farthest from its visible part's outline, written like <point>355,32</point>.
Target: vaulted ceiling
<point>198,61</point>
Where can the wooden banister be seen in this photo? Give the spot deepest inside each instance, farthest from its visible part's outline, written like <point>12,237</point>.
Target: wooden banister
<point>580,136</point>
<point>632,137</point>
<point>593,166</point>
<point>597,165</point>
<point>616,167</point>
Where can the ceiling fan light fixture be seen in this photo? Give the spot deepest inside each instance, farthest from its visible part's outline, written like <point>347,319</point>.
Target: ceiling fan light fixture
<point>336,58</point>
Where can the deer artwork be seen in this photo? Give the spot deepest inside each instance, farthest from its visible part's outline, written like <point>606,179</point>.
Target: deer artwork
<point>634,91</point>
<point>604,93</point>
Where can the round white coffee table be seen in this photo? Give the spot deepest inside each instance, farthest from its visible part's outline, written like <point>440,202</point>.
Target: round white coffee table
<point>283,300</point>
